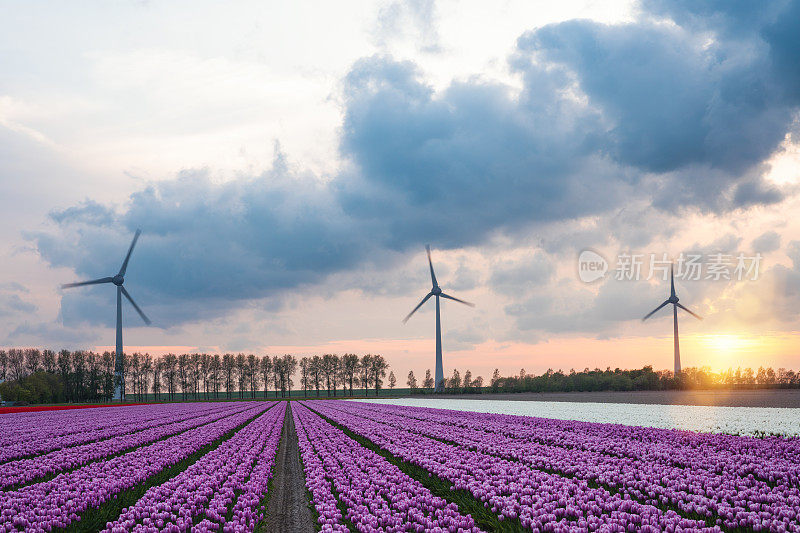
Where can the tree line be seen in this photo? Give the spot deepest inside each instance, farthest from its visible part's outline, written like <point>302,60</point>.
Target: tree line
<point>34,376</point>
<point>627,380</point>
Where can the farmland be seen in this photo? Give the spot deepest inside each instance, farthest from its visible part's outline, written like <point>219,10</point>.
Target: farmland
<point>374,467</point>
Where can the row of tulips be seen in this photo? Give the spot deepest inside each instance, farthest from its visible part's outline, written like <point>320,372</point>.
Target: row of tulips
<point>375,494</point>
<point>540,500</point>
<point>221,491</point>
<point>59,502</point>
<point>726,494</point>
<point>26,470</point>
<point>773,459</point>
<point>29,434</point>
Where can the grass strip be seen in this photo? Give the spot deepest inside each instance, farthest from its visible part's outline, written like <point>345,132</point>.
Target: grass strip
<point>96,518</point>
<point>466,502</point>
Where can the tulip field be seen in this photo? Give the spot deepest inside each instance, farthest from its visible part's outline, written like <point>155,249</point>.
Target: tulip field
<point>374,467</point>
<point>556,475</point>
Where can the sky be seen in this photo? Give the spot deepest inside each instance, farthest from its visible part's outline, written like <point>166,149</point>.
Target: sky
<point>287,162</point>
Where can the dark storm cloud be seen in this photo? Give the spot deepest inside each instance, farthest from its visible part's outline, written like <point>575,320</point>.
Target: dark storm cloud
<point>702,115</point>
<point>655,114</point>
<point>87,211</point>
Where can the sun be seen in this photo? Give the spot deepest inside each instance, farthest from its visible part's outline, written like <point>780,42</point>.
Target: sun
<point>727,349</point>
<point>726,343</point>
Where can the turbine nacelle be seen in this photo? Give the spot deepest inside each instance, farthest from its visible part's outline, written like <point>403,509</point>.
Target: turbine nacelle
<point>118,280</point>
<point>673,299</point>
<point>436,291</point>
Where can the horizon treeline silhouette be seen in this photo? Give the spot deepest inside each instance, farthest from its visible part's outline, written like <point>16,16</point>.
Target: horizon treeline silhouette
<point>45,376</point>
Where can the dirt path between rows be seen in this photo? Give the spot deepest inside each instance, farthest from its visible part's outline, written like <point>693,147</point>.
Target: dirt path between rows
<point>288,506</point>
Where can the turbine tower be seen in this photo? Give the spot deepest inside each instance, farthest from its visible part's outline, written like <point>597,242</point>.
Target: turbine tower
<point>436,291</point>
<point>673,299</point>
<point>118,280</point>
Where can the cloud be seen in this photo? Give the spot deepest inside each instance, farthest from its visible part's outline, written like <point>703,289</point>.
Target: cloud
<point>513,277</point>
<point>768,241</point>
<point>400,18</point>
<point>13,302</point>
<point>624,123</point>
<point>88,212</point>
<point>32,333</point>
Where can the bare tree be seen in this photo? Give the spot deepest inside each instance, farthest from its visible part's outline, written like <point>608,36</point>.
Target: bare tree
<point>241,373</point>
<point>277,373</point>
<point>32,359</point>
<point>16,363</point>
<point>147,371</point>
<point>252,373</point>
<point>305,362</point>
<point>228,370</point>
<point>316,372</point>
<point>109,360</point>
<point>216,374</point>
<point>3,365</point>
<point>79,372</point>
<point>290,367</point>
<point>65,371</point>
<point>377,370</point>
<point>350,368</point>
<point>49,361</point>
<point>196,363</point>
<point>392,380</point>
<point>158,368</point>
<point>205,368</point>
<point>183,372</point>
<point>364,369</point>
<point>266,372</point>
<point>330,366</point>
<point>171,374</point>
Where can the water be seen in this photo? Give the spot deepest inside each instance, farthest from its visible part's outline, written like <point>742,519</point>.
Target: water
<point>732,420</point>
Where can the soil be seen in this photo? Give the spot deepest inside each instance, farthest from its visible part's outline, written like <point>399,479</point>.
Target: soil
<point>288,509</point>
<point>725,398</point>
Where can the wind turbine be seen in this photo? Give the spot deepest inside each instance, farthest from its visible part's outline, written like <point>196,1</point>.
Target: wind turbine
<point>436,291</point>
<point>118,280</point>
<point>673,299</point>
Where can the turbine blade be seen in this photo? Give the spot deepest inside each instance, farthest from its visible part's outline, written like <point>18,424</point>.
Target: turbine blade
<point>417,307</point>
<point>698,317</point>
<point>443,295</point>
<point>130,251</point>
<point>430,264</point>
<point>92,282</point>
<point>141,314</point>
<point>651,313</point>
